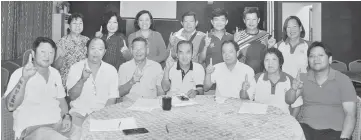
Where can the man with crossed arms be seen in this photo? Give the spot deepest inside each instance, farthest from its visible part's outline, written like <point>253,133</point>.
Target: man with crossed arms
<point>36,95</point>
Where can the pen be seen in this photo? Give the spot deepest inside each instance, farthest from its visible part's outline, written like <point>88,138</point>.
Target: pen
<point>166,128</point>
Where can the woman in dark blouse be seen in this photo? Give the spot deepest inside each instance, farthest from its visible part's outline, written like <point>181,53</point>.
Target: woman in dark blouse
<point>117,52</point>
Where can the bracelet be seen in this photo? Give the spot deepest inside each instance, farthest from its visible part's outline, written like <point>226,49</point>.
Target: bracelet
<point>67,114</point>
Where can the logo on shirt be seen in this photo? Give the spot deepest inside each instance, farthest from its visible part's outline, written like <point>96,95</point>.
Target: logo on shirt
<point>212,45</point>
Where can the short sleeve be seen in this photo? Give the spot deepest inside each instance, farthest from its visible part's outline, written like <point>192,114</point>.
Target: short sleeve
<point>60,89</point>
<point>121,75</point>
<point>348,93</point>
<point>73,76</point>
<point>113,92</point>
<point>199,76</point>
<point>298,102</point>
<point>14,79</point>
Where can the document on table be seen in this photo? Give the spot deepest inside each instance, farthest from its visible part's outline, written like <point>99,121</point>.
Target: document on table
<point>147,105</point>
<point>112,124</point>
<point>253,108</point>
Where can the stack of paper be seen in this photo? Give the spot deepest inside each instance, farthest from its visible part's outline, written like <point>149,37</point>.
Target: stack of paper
<point>253,108</point>
<point>145,104</point>
<point>112,124</point>
<point>177,102</point>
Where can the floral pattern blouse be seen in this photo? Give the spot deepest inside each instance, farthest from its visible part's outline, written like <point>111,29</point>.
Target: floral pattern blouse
<point>72,50</point>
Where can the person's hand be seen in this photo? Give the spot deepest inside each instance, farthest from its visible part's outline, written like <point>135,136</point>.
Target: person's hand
<point>29,69</point>
<point>99,33</point>
<point>124,48</point>
<point>207,40</point>
<point>86,73</point>
<point>271,42</point>
<point>172,39</point>
<point>237,35</point>
<point>138,74</point>
<point>66,124</point>
<point>245,84</point>
<point>297,83</point>
<point>169,64</point>
<point>210,68</point>
<point>192,93</point>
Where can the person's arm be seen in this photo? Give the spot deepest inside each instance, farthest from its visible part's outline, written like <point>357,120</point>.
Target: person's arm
<point>349,120</point>
<point>75,91</point>
<point>63,106</point>
<point>295,111</point>
<point>202,51</point>
<point>124,84</point>
<point>111,101</point>
<point>166,83</point>
<point>292,95</point>
<point>15,98</point>
<point>126,51</point>
<point>207,82</point>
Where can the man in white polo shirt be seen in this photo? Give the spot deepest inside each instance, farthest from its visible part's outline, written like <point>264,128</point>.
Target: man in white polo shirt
<point>36,95</point>
<point>233,78</point>
<point>140,77</point>
<point>186,77</point>
<point>92,83</point>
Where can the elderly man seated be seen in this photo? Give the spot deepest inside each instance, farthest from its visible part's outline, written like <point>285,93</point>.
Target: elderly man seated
<point>186,77</point>
<point>329,98</point>
<point>233,78</point>
<point>140,77</point>
<point>36,95</point>
<point>92,83</point>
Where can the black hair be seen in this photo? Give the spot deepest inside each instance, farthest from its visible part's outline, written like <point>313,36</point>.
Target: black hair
<point>185,42</point>
<point>96,38</point>
<point>189,13</point>
<point>302,34</point>
<point>276,52</point>
<point>39,40</point>
<point>319,44</point>
<point>136,21</point>
<point>140,39</point>
<point>250,11</point>
<point>219,12</point>
<point>235,45</point>
<point>106,17</point>
<point>72,17</point>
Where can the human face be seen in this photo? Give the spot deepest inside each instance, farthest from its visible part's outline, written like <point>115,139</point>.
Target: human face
<point>139,51</point>
<point>318,59</point>
<point>219,23</point>
<point>76,26</point>
<point>96,51</point>
<point>189,23</point>
<point>293,29</point>
<point>44,55</point>
<point>251,20</point>
<point>229,53</point>
<point>112,25</point>
<point>144,21</point>
<point>271,63</point>
<point>184,54</point>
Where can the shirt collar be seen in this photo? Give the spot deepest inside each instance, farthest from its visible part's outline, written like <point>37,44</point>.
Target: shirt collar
<point>179,68</point>
<point>331,75</point>
<point>223,30</point>
<point>282,76</point>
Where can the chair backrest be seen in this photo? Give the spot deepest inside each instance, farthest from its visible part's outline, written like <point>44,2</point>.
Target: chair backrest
<point>356,135</point>
<point>10,66</point>
<point>355,66</point>
<point>338,65</point>
<point>7,122</point>
<point>4,79</point>
<point>26,56</point>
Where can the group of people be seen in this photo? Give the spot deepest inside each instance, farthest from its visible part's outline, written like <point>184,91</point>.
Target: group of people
<point>293,74</point>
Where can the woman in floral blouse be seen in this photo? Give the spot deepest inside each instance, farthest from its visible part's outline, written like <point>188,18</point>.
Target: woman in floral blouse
<point>72,47</point>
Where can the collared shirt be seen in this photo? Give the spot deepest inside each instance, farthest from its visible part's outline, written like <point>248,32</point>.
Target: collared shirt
<point>96,91</point>
<point>156,45</point>
<point>147,87</point>
<point>214,50</point>
<point>295,58</point>
<point>229,83</point>
<point>114,56</point>
<point>322,104</point>
<point>183,81</point>
<point>40,104</point>
<point>274,93</point>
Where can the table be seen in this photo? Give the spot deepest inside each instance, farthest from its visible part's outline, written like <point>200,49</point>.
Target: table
<point>354,76</point>
<point>208,120</point>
